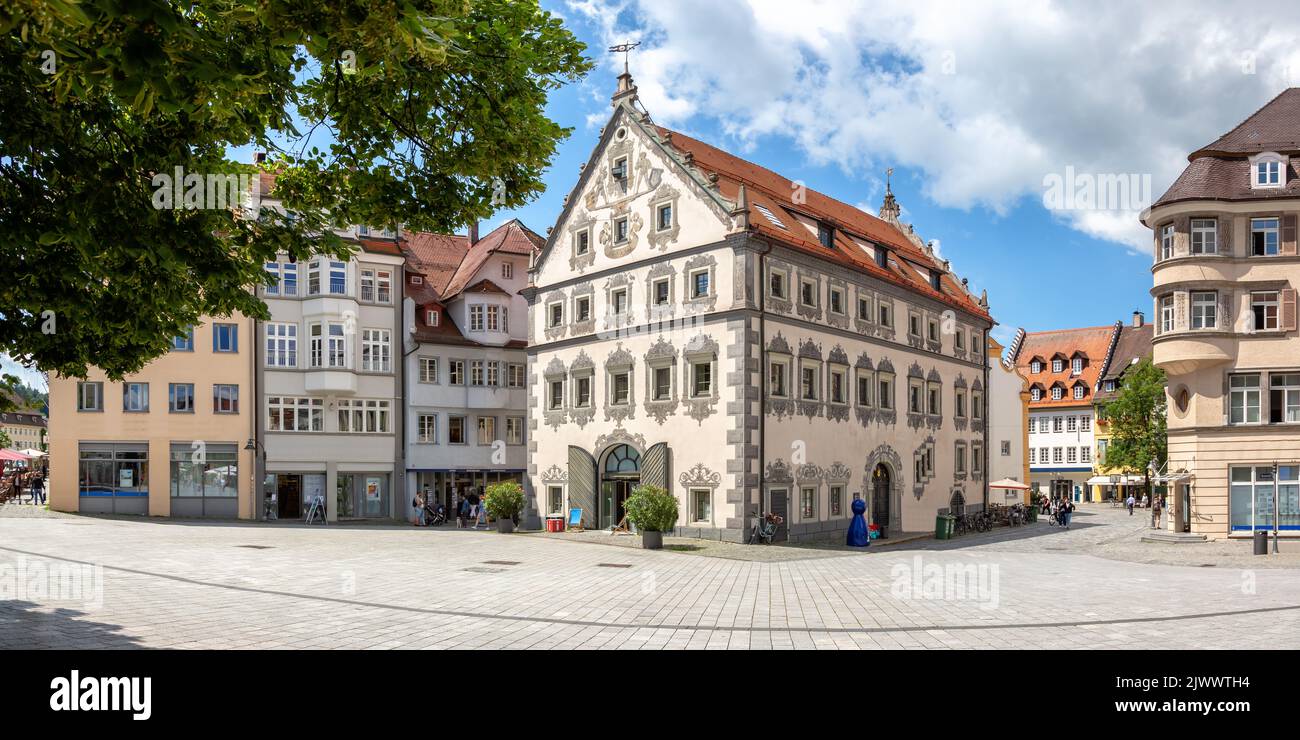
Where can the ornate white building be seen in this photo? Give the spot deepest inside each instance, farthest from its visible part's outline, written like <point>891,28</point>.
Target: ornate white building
<point>701,323</point>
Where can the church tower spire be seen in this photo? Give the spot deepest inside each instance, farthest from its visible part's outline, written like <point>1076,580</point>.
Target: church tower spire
<point>626,87</point>
<point>889,209</point>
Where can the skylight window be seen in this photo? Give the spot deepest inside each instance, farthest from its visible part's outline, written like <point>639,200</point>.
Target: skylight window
<point>769,216</point>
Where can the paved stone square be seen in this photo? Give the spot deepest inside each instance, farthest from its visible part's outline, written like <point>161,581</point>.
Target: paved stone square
<point>190,584</point>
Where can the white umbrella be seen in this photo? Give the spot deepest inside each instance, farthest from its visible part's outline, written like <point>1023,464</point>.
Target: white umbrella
<point>1009,483</point>
<point>33,453</point>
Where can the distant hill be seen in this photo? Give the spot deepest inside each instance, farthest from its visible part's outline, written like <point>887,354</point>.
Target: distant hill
<point>26,398</point>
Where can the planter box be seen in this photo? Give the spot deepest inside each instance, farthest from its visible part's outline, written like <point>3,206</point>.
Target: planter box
<point>652,540</point>
<point>505,526</point>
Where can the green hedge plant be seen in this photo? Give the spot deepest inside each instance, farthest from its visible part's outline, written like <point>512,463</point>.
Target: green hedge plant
<point>651,508</point>
<point>504,500</point>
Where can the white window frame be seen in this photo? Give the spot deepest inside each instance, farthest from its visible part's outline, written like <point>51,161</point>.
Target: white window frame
<point>427,369</point>
<point>1205,236</point>
<point>1205,309</point>
<point>281,344</point>
<point>426,429</point>
<point>376,350</point>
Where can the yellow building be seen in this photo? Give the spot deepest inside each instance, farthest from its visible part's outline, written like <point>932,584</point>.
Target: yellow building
<point>168,441</point>
<point>1131,347</point>
<point>26,430</point>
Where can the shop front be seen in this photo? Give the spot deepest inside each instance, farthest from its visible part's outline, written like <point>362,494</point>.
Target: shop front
<point>113,478</point>
<point>448,487</point>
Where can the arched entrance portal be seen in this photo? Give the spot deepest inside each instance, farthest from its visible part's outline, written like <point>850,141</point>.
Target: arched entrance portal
<point>620,471</point>
<point>880,499</point>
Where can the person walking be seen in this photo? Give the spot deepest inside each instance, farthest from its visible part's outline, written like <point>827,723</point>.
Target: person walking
<point>1155,512</point>
<point>1129,502</point>
<point>1067,508</point>
<point>417,503</point>
<point>462,512</point>
<point>38,489</point>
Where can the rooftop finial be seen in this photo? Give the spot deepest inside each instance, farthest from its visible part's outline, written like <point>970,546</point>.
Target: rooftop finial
<point>889,210</point>
<point>626,88</point>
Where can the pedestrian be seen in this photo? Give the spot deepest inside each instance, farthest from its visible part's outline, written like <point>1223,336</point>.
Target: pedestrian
<point>418,504</point>
<point>1155,513</point>
<point>1129,503</point>
<point>1067,508</point>
<point>38,489</point>
<point>462,512</point>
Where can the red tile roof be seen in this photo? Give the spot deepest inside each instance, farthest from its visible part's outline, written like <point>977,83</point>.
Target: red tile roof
<point>776,193</point>
<point>1093,341</point>
<point>1273,128</point>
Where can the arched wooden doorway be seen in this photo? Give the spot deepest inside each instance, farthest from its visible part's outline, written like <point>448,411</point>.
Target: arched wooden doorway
<point>620,472</point>
<point>880,492</point>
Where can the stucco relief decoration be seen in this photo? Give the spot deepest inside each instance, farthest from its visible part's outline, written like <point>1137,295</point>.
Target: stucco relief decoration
<point>924,474</point>
<point>555,474</point>
<point>780,407</point>
<point>706,302</point>
<point>812,313</point>
<point>555,332</point>
<point>700,477</point>
<point>839,320</point>
<point>588,325</point>
<point>661,354</point>
<point>838,472</point>
<point>840,412</point>
<point>778,473</point>
<point>553,418</point>
<point>657,272</point>
<point>933,420</point>
<point>619,436</point>
<point>581,366</point>
<point>808,473</point>
<point>619,360</point>
<point>783,305</point>
<point>661,239</point>
<point>701,348</point>
<point>867,325</point>
<point>581,222</point>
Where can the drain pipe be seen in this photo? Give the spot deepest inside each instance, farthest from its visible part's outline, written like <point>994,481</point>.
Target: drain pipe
<point>762,372</point>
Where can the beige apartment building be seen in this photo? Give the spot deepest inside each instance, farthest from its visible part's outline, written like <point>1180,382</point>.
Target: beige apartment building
<point>1226,270</point>
<point>167,441</point>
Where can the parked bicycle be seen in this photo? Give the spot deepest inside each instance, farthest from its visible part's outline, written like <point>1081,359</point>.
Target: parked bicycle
<point>765,529</point>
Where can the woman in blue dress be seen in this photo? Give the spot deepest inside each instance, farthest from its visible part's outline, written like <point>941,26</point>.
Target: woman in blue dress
<point>858,534</point>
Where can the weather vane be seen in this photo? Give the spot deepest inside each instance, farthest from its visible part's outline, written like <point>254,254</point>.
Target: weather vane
<point>625,47</point>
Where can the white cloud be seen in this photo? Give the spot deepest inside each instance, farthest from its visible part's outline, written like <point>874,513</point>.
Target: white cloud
<point>982,100</point>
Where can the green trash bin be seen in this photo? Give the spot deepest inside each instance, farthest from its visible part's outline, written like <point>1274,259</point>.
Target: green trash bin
<point>1033,513</point>
<point>943,526</point>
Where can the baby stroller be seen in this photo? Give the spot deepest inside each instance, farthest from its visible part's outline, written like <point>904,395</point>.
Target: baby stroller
<point>434,515</point>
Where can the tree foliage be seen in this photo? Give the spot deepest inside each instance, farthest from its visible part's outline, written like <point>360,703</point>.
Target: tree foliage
<point>1137,420</point>
<point>426,113</point>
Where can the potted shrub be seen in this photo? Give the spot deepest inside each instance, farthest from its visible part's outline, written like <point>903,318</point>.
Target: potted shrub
<point>504,501</point>
<point>654,511</point>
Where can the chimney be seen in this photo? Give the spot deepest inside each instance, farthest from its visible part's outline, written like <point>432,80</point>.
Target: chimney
<point>473,233</point>
<point>1138,319</point>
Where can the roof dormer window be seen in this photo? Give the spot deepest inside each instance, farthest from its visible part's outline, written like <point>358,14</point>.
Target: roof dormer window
<point>431,317</point>
<point>882,257</point>
<point>826,235</point>
<point>1267,170</point>
<point>934,279</point>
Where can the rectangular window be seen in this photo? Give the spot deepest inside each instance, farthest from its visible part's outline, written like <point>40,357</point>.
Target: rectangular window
<point>914,325</point>
<point>1205,234</point>
<point>701,378</point>
<point>618,301</point>
<point>1085,423</point>
<point>826,235</point>
<point>476,372</point>
<point>1071,424</point>
<point>1057,455</point>
<point>776,284</point>
<point>556,399</point>
<point>933,399</point>
<point>456,372</point>
<point>1264,310</point>
<point>581,242</point>
<point>1264,237</point>
<point>807,502</point>
<point>1057,424</point>
<point>1204,309</point>
<point>662,383</point>
<point>1166,241</point>
<point>517,377</point>
<point>1243,402</point>
<point>295,414</point>
<point>582,391</point>
<point>977,405</point>
<point>514,430</point>
<point>837,382</point>
<point>620,388</point>
<point>487,430</point>
<point>1006,448</point>
<point>1251,497</point>
<point>90,396</point>
<point>932,328</point>
<point>1268,173</point>
<point>837,500</point>
<point>700,284</point>
<point>281,345</point>
<point>582,308</point>
<point>364,416</point>
<point>225,337</point>
<point>555,500</point>
<point>777,380</point>
<point>886,314</point>
<point>864,388</point>
<point>1166,314</point>
<point>864,309</point>
<point>661,292</point>
<point>664,216</point>
<point>959,398</point>
<point>427,428</point>
<point>808,383</point>
<point>620,230</point>
<point>1071,455</point>
<point>556,315</point>
<point>428,369</point>
<point>376,350</point>
<point>180,398</point>
<point>135,397</point>
<point>1085,454</point>
<point>476,317</point>
<point>507,270</point>
<point>431,317</point>
<point>808,292</point>
<point>184,342</point>
<point>494,318</point>
<point>1283,398</point>
<point>960,464</point>
<point>837,301</point>
<point>915,397</point>
<point>338,278</point>
<point>885,396</point>
<point>367,285</point>
<point>455,430</point>
<point>225,399</point>
<point>701,505</point>
<point>493,374</point>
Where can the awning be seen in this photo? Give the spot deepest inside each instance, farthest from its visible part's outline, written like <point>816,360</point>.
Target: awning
<point>1121,480</point>
<point>7,454</point>
<point>1172,478</point>
<point>1009,483</point>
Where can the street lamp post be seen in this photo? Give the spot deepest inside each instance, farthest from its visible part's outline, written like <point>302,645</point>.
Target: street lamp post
<point>1276,510</point>
<point>255,493</point>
